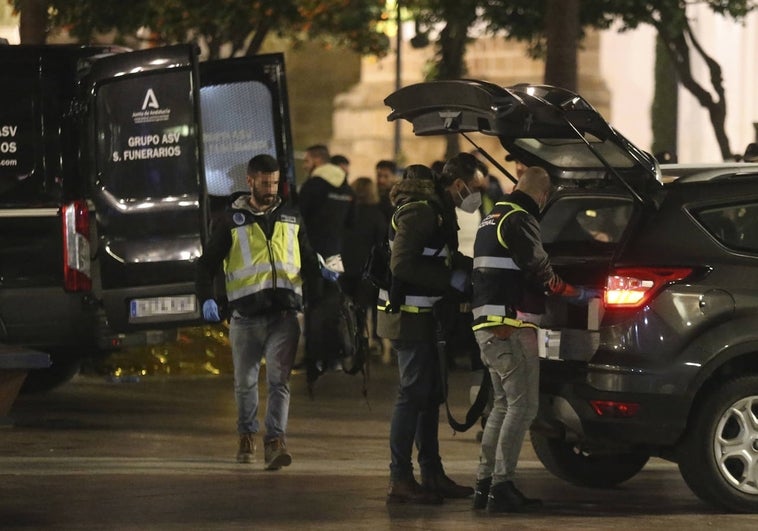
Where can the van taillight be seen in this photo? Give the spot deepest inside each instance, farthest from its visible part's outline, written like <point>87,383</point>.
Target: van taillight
<point>76,251</point>
<point>634,287</point>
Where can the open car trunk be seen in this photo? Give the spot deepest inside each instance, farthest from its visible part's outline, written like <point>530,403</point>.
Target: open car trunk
<point>600,181</point>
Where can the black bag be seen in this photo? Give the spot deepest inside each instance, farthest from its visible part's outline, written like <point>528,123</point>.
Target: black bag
<point>377,267</point>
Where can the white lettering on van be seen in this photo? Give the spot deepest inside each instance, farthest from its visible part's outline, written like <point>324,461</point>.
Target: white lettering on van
<point>8,130</point>
<point>7,147</point>
<point>150,100</point>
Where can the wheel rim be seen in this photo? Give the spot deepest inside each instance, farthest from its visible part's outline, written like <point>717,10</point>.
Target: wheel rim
<point>735,445</point>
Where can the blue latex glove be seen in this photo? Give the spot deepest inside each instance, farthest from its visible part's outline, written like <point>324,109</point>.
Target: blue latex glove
<point>460,281</point>
<point>210,311</point>
<point>583,295</point>
<point>329,275</point>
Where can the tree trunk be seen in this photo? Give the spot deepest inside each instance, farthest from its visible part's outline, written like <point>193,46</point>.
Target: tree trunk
<point>679,50</point>
<point>450,65</point>
<point>33,22</point>
<point>562,30</point>
<point>664,115</point>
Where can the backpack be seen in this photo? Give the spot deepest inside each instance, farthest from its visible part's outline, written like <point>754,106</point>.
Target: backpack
<point>377,267</point>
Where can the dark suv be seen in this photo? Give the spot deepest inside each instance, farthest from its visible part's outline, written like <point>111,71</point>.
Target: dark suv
<point>108,180</point>
<point>666,364</point>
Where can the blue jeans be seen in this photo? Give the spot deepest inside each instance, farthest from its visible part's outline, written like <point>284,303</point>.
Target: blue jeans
<point>416,414</point>
<point>514,368</point>
<point>275,337</point>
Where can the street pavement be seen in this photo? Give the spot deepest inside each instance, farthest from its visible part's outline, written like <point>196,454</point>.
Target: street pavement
<point>158,452</point>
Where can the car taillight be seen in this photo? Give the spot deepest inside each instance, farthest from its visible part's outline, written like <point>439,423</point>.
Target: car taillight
<point>76,248</point>
<point>611,408</point>
<point>634,287</point>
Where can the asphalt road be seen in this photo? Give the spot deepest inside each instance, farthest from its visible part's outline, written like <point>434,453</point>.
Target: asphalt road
<point>158,453</point>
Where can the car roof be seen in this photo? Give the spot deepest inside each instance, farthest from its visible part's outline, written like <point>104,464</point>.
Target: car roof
<point>538,125</point>
<point>688,173</point>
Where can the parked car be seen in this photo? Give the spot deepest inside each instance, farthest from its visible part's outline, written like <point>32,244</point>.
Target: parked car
<point>666,364</point>
<point>108,181</point>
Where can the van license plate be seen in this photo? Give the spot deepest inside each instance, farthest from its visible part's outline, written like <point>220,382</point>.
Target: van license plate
<point>157,306</point>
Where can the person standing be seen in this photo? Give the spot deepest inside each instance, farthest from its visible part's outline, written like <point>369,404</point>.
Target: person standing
<point>267,264</point>
<point>327,204</point>
<point>369,229</point>
<point>426,266</point>
<point>386,177</point>
<point>511,277</point>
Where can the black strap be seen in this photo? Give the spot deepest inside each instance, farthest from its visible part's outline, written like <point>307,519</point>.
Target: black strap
<point>477,408</point>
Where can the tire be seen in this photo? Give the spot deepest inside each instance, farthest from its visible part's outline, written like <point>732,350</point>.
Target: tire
<point>565,461</point>
<point>718,458</point>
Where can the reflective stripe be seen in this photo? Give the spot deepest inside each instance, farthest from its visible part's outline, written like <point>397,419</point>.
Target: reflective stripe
<point>411,303</point>
<point>268,284</point>
<point>495,262</point>
<point>488,309</point>
<point>499,321</point>
<point>421,301</point>
<point>494,315</point>
<point>429,251</point>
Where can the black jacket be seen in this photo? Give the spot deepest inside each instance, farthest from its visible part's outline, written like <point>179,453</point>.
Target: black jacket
<point>522,288</point>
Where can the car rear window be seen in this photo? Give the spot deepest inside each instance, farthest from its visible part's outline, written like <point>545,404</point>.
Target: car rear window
<point>579,222</point>
<point>735,226</point>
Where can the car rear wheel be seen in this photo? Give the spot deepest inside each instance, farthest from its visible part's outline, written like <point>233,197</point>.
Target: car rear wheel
<point>566,461</point>
<point>719,456</point>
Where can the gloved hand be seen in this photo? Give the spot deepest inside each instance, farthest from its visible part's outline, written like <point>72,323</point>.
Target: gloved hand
<point>329,274</point>
<point>460,281</point>
<point>210,311</point>
<point>581,295</point>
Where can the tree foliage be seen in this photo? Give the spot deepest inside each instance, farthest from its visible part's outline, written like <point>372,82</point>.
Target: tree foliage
<point>228,27</point>
<point>527,21</point>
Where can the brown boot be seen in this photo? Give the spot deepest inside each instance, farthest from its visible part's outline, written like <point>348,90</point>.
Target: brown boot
<point>445,487</point>
<point>408,491</point>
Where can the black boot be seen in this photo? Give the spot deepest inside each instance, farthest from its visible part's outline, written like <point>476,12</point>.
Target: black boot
<point>482,493</point>
<point>506,498</point>
<point>408,491</point>
<point>440,484</point>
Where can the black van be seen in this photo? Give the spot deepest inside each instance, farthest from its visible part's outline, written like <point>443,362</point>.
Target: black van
<point>108,180</point>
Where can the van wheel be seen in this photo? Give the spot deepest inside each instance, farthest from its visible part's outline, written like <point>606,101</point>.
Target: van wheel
<point>566,461</point>
<point>43,380</point>
<point>718,458</point>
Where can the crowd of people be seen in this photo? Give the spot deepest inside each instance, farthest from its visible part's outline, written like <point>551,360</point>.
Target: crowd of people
<point>283,256</point>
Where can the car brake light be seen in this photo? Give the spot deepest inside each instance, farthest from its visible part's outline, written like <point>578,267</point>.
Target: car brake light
<point>76,248</point>
<point>634,287</point>
<point>609,408</point>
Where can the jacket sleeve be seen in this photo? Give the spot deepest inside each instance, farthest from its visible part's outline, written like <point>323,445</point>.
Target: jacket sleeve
<point>209,264</point>
<point>522,234</point>
<point>416,225</point>
<point>310,271</point>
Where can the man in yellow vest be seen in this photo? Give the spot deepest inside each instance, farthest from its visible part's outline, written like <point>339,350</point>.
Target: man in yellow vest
<point>267,262</point>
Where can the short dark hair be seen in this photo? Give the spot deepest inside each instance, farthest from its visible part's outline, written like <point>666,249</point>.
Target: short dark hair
<point>262,163</point>
<point>320,151</point>
<point>461,166</point>
<point>387,165</point>
<point>419,172</point>
<point>339,159</point>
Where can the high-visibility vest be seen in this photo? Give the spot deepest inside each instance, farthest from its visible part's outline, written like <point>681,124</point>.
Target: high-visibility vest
<point>255,263</point>
<point>497,278</point>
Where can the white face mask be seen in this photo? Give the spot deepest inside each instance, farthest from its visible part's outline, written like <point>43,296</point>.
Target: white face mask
<point>471,202</point>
